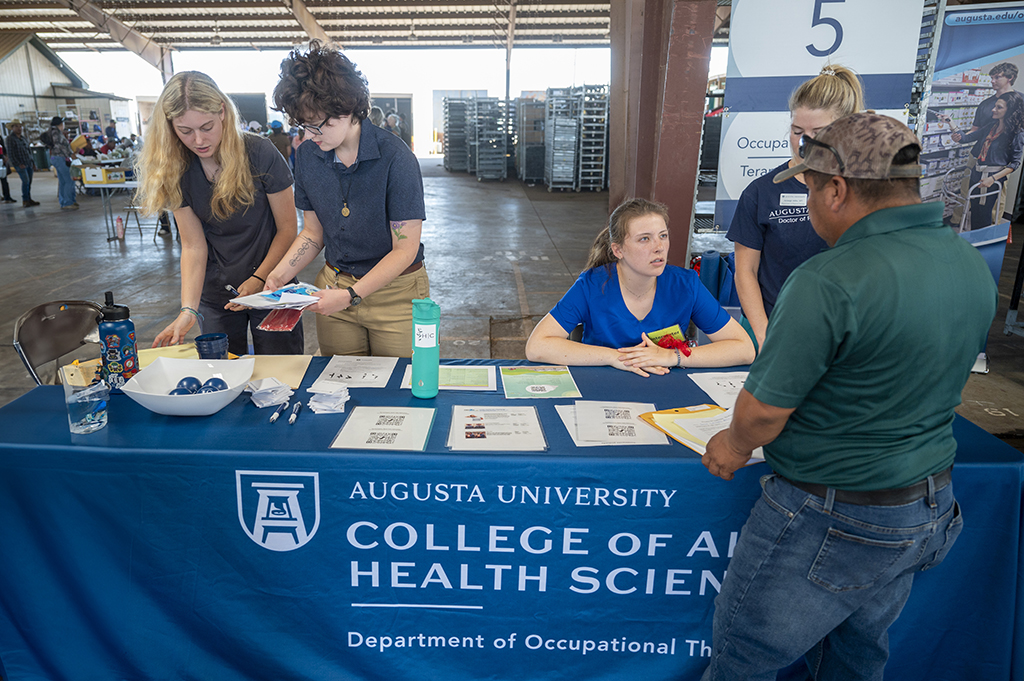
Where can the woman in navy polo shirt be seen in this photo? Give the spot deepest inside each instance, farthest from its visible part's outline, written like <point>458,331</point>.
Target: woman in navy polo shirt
<point>772,232</point>
<point>628,291</point>
<point>362,196</point>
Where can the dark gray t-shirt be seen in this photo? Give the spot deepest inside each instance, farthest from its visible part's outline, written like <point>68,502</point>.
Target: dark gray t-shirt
<point>236,246</point>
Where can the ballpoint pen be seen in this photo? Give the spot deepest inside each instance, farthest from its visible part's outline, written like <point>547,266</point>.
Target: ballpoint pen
<point>280,410</point>
<point>232,289</point>
<point>295,413</point>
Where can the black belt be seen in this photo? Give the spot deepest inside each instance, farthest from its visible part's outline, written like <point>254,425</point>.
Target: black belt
<point>408,270</point>
<point>878,497</point>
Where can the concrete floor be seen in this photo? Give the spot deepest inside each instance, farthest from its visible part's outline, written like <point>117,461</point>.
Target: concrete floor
<point>500,254</point>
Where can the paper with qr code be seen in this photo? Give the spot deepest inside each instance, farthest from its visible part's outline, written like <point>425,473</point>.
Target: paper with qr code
<point>393,428</point>
<point>615,423</point>
<point>496,429</point>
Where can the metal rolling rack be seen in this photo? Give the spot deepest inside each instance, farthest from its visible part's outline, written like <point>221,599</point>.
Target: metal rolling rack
<point>471,135</point>
<point>591,103</point>
<point>456,149</point>
<point>561,129</point>
<point>491,139</point>
<point>529,140</point>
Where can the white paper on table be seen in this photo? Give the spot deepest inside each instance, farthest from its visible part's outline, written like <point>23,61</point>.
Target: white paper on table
<point>613,423</point>
<point>703,429</point>
<point>454,377</point>
<point>485,429</point>
<point>354,372</point>
<point>395,428</point>
<point>289,297</point>
<point>721,386</point>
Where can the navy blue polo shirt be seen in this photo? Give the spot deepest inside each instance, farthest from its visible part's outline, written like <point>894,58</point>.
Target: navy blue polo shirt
<point>772,218</point>
<point>382,186</point>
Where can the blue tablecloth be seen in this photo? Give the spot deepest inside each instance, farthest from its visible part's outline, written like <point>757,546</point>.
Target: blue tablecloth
<point>135,552</point>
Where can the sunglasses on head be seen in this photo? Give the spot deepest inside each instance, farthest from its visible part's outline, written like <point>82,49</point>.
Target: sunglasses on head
<point>806,142</point>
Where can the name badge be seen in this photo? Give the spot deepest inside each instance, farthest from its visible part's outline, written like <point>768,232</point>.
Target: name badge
<point>793,199</point>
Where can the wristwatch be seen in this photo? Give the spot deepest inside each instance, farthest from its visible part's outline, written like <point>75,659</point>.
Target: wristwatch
<point>356,299</point>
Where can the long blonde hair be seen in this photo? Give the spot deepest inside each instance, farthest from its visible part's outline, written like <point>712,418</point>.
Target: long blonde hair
<point>618,229</point>
<point>164,159</point>
<point>836,89</point>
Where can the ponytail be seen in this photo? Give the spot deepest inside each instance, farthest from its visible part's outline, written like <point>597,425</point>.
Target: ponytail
<point>836,89</point>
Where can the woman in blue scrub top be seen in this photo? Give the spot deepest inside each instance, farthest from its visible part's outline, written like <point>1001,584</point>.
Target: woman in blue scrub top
<point>629,291</point>
<point>770,228</point>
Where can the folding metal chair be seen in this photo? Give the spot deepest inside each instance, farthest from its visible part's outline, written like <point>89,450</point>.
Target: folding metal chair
<point>49,331</point>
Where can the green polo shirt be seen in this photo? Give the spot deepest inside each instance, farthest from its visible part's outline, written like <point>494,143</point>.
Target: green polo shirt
<point>871,342</point>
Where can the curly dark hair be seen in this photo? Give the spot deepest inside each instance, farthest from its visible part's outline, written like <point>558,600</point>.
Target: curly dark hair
<point>1013,121</point>
<point>321,80</point>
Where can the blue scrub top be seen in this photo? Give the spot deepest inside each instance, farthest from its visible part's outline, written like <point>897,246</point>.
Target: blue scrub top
<point>595,300</point>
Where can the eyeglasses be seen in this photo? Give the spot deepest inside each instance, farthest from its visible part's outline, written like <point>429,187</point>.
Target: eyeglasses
<point>315,129</point>
<point>807,141</point>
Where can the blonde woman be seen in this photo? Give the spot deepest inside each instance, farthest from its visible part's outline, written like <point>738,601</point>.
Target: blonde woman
<point>770,228</point>
<point>231,195</point>
<point>629,290</point>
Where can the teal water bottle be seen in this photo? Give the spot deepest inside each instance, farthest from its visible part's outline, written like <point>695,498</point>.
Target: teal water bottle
<point>426,351</point>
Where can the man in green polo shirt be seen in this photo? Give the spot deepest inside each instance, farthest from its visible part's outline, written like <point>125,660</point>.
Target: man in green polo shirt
<point>852,397</point>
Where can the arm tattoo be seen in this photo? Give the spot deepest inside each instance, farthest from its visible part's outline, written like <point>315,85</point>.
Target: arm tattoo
<point>306,244</point>
<point>396,227</point>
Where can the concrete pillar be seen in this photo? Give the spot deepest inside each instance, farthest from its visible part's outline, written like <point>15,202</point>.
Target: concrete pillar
<point>660,55</point>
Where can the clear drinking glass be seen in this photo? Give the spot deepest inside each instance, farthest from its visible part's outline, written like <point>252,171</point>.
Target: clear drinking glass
<point>87,404</point>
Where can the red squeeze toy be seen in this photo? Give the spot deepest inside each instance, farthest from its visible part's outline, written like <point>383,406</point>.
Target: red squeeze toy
<point>672,343</point>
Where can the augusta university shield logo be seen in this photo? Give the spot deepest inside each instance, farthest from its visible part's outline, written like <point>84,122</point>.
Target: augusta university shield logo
<point>279,510</point>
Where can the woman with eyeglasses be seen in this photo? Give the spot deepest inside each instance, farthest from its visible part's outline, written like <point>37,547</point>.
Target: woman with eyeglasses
<point>361,194</point>
<point>770,228</point>
<point>998,149</point>
<point>231,195</point>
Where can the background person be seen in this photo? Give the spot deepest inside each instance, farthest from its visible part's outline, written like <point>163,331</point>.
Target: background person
<point>377,116</point>
<point>997,152</point>
<point>6,164</point>
<point>770,226</point>
<point>60,159</point>
<point>853,401</point>
<point>1003,77</point>
<point>280,138</point>
<point>628,291</point>
<point>232,200</point>
<point>362,195</point>
<point>20,158</point>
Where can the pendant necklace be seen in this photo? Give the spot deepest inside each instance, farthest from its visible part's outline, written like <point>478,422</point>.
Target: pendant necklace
<point>344,198</point>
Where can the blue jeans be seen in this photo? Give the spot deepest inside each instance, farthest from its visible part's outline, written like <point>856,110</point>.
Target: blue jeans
<point>26,182</point>
<point>825,580</point>
<point>65,185</point>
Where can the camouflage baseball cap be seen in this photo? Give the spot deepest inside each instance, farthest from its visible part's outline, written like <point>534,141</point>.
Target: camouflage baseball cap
<point>859,146</point>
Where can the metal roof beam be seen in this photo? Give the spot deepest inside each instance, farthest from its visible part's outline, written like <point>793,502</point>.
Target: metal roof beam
<point>307,21</point>
<point>142,45</point>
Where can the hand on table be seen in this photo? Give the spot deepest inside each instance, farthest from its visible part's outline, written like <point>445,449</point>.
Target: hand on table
<point>722,458</point>
<point>647,356</point>
<point>175,331</point>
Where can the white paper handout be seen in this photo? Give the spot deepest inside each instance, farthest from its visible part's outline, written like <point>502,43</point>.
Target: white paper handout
<point>354,372</point>
<point>289,297</point>
<point>458,377</point>
<point>703,429</point>
<point>615,423</point>
<point>396,428</point>
<point>514,429</point>
<point>721,386</point>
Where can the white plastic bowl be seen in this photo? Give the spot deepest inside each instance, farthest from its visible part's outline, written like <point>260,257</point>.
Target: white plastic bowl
<point>150,386</point>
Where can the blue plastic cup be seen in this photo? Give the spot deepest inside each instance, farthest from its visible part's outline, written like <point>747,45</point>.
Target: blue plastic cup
<point>212,346</point>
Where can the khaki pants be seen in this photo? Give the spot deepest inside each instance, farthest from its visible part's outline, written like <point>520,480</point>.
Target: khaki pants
<point>381,325</point>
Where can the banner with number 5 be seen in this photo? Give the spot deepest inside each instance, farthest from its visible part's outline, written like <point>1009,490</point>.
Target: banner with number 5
<point>775,46</point>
